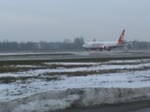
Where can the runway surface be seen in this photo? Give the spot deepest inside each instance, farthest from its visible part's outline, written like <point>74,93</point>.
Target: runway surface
<point>72,55</point>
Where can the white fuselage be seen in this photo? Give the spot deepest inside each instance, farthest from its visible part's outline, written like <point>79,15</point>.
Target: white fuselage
<point>100,45</point>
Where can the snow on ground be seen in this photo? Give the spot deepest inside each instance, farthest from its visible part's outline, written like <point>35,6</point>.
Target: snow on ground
<point>29,66</point>
<point>97,63</point>
<point>95,87</point>
<point>72,63</point>
<point>130,61</point>
<point>93,68</point>
<point>137,79</point>
<point>75,69</point>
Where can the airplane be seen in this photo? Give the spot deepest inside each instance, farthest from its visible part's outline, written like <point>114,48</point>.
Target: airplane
<point>96,45</point>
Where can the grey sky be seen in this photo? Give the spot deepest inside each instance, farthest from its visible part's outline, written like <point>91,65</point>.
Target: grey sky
<point>56,20</point>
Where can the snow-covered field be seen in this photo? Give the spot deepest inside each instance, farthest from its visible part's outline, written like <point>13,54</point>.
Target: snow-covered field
<point>127,74</point>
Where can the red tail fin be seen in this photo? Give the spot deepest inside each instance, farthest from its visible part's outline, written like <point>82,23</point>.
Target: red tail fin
<point>121,38</point>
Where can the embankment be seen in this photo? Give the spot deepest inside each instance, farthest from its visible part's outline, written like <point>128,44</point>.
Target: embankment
<point>62,99</point>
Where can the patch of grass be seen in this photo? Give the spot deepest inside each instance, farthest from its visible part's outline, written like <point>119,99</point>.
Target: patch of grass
<point>51,78</point>
<point>20,62</point>
<point>9,66</point>
<point>10,69</point>
<point>82,73</point>
<point>55,76</point>
<point>54,66</point>
<point>85,73</point>
<point>124,63</point>
<point>10,79</point>
<point>14,79</point>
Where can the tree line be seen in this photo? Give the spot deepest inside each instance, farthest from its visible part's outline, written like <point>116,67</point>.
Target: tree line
<point>138,45</point>
<point>66,45</point>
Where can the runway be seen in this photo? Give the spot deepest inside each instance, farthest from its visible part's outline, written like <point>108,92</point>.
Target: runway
<point>72,55</point>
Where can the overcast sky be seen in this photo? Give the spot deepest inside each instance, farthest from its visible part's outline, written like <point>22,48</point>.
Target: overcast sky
<point>56,20</point>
